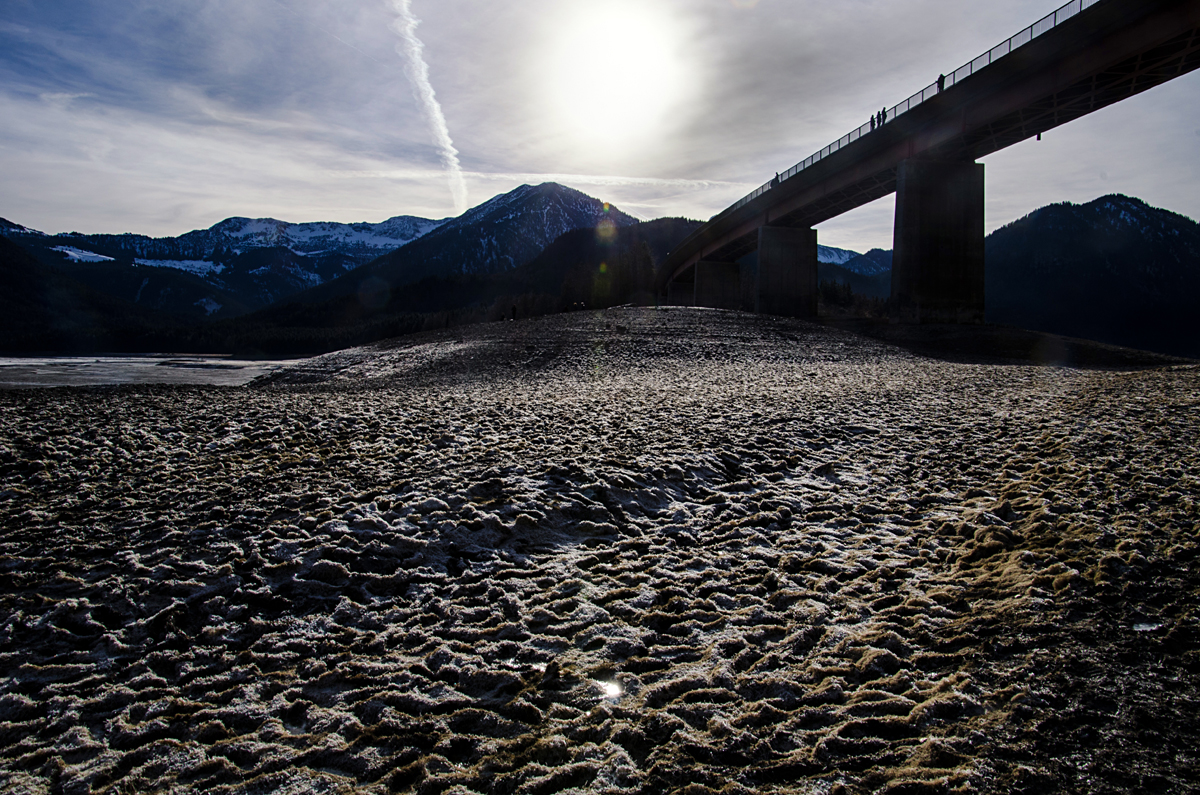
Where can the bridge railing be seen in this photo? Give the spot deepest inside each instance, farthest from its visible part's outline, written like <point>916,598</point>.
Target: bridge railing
<point>1027,35</point>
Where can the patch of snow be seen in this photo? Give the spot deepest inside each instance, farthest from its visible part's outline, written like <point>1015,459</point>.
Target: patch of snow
<point>835,256</point>
<point>872,263</point>
<point>324,236</point>
<point>299,274</point>
<point>208,305</point>
<point>78,255</point>
<point>200,267</point>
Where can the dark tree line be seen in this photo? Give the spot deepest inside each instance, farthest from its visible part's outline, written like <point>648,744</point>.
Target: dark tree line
<point>50,311</point>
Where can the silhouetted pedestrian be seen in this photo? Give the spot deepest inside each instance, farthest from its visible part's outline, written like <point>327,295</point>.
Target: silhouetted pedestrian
<point>883,116</point>
<point>941,83</point>
<point>872,124</point>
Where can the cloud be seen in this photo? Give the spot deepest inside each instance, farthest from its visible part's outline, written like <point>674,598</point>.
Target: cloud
<point>97,169</point>
<point>535,178</point>
<point>418,72</point>
<point>62,98</point>
<point>160,117</point>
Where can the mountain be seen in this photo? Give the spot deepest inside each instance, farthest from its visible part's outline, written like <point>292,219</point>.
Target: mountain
<point>872,285</point>
<point>43,310</point>
<point>873,263</point>
<point>232,270</point>
<point>594,267</point>
<point>498,235</point>
<point>204,250</point>
<point>233,267</point>
<point>1115,270</point>
<point>583,268</point>
<point>868,275</point>
<point>241,265</point>
<point>835,256</point>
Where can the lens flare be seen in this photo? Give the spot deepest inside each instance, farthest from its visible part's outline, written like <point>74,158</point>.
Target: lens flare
<point>606,231</point>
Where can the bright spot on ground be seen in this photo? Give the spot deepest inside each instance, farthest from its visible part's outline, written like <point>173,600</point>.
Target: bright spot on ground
<point>615,72</point>
<point>611,689</point>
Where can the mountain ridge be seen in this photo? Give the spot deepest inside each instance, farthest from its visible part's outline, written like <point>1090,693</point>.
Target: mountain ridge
<point>238,234</point>
<point>500,234</point>
<point>233,267</point>
<point>1114,269</point>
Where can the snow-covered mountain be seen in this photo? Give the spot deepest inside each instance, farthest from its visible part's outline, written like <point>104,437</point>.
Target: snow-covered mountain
<point>501,234</point>
<point>511,229</point>
<point>221,242</point>
<point>873,263</point>
<point>363,241</point>
<point>232,267</point>
<point>835,256</point>
<point>243,264</point>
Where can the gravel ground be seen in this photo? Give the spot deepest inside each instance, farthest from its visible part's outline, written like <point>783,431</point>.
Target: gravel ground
<point>641,551</point>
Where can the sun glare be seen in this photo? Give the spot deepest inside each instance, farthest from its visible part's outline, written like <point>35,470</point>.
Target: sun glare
<point>616,71</point>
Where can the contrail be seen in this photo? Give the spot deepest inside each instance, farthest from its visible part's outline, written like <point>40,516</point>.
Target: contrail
<point>412,50</point>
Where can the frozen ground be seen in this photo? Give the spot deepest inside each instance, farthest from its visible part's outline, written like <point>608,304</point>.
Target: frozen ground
<point>641,552</point>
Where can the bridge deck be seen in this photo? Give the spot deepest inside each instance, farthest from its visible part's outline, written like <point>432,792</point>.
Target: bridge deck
<point>1101,55</point>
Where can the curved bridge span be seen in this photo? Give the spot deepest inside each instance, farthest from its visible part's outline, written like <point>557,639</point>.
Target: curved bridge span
<point>1086,56</point>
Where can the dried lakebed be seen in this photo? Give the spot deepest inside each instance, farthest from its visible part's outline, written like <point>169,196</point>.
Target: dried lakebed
<point>636,552</point>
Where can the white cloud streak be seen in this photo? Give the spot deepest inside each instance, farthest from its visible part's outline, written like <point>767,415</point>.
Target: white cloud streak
<point>417,69</point>
<point>533,177</point>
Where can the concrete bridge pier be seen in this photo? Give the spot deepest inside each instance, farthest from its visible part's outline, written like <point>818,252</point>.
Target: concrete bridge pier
<point>718,285</point>
<point>937,260</point>
<point>787,272</point>
<point>680,293</point>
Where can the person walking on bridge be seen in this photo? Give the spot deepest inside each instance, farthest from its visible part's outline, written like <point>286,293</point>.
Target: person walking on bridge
<point>883,116</point>
<point>872,124</point>
<point>941,83</point>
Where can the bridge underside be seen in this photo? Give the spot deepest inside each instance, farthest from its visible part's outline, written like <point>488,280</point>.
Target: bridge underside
<point>1011,101</point>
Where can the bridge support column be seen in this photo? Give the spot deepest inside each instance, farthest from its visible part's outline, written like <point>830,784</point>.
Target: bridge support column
<point>937,262</point>
<point>787,272</point>
<point>681,294</point>
<point>719,285</point>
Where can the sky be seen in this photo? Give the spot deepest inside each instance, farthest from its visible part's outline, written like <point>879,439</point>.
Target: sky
<point>163,116</point>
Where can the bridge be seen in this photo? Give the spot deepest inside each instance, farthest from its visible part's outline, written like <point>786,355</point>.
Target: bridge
<point>1085,56</point>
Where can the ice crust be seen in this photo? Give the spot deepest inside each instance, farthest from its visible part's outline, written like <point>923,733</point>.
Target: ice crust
<point>641,551</point>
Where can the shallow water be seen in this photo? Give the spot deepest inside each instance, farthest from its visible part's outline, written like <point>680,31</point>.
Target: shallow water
<point>25,372</point>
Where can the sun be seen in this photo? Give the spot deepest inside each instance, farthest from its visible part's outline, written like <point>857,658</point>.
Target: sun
<point>615,71</point>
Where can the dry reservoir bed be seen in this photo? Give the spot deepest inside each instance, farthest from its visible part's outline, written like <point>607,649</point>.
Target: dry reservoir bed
<point>637,552</point>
